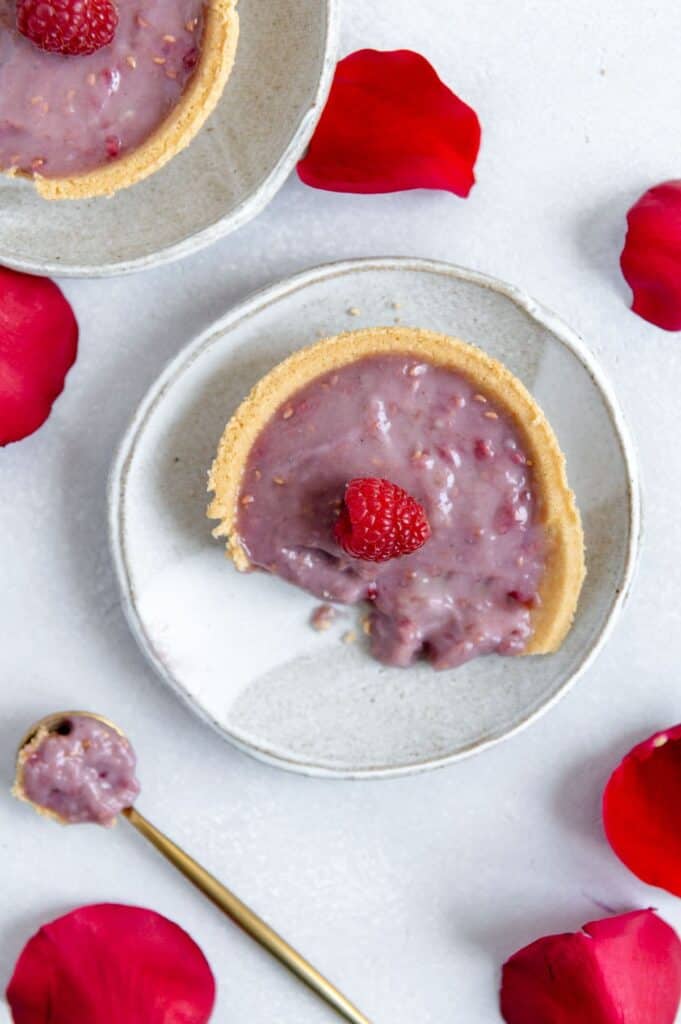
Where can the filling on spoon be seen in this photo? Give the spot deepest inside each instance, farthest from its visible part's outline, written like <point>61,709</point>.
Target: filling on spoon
<point>412,471</point>
<point>78,770</point>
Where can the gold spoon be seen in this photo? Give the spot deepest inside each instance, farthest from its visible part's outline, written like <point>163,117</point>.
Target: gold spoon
<point>228,903</point>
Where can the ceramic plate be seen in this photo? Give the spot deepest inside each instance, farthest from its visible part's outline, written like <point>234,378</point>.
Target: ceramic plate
<point>238,648</point>
<point>235,166</point>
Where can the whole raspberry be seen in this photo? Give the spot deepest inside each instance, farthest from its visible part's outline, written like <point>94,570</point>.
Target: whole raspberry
<point>380,521</point>
<point>71,27</point>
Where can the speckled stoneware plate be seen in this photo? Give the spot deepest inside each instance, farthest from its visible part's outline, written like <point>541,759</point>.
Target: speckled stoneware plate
<point>235,166</point>
<point>239,649</point>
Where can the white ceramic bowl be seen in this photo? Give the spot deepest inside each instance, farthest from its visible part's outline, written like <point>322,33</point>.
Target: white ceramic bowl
<point>235,166</point>
<point>239,649</point>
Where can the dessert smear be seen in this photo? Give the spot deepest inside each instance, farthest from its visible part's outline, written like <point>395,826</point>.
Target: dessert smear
<point>82,771</point>
<point>62,115</point>
<point>469,588</point>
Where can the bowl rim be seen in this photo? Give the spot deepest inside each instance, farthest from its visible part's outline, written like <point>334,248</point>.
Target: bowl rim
<point>244,310</point>
<point>248,208</point>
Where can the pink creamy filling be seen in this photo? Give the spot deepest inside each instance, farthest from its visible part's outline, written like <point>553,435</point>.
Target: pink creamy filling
<point>65,115</point>
<point>85,772</point>
<point>469,590</point>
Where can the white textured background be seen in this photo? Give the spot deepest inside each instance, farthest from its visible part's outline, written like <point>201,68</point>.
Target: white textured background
<point>407,893</point>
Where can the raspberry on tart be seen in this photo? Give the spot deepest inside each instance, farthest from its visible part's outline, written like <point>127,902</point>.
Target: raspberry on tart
<point>409,469</point>
<point>70,27</point>
<point>96,95</point>
<point>380,521</point>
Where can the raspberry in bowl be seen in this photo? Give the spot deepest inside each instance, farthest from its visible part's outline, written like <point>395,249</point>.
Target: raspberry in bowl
<point>96,95</point>
<point>409,470</point>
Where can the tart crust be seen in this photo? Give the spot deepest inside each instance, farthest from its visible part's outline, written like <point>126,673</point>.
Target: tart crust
<point>558,514</point>
<point>196,104</point>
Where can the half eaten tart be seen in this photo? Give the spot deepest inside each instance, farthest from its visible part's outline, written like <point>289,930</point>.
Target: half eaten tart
<point>84,126</point>
<point>504,565</point>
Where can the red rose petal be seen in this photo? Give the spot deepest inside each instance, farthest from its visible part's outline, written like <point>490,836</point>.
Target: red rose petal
<point>651,258</point>
<point>642,810</point>
<point>621,970</point>
<point>38,346</point>
<point>111,964</point>
<point>391,124</point>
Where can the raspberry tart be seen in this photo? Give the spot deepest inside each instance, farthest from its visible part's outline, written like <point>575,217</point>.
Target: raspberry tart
<point>96,95</point>
<point>410,470</point>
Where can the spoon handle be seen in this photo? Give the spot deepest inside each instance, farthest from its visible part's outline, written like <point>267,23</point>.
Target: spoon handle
<point>253,925</point>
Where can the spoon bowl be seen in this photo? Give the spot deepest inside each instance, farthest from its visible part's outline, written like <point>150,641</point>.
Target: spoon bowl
<point>110,787</point>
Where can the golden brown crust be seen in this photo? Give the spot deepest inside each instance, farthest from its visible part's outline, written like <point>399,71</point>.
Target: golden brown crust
<point>199,99</point>
<point>565,568</point>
